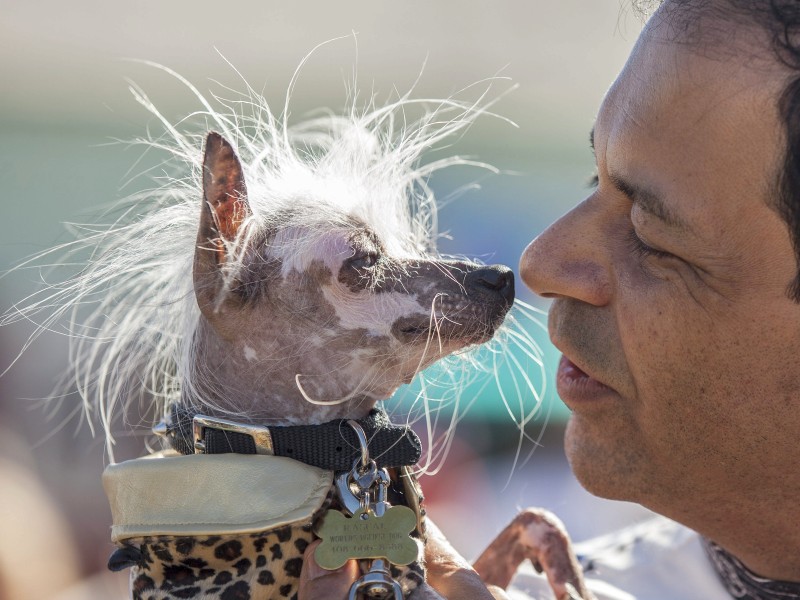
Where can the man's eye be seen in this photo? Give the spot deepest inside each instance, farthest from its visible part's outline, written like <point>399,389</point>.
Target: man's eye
<point>594,181</point>
<point>642,249</point>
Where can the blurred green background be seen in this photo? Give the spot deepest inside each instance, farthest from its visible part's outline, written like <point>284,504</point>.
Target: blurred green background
<point>64,99</point>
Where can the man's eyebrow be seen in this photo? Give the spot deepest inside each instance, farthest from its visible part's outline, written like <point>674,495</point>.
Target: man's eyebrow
<point>649,202</point>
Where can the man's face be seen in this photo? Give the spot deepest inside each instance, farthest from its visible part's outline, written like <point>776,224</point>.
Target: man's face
<point>681,348</point>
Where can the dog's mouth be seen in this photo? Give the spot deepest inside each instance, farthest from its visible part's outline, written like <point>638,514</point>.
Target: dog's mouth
<point>412,329</point>
<point>464,331</point>
<point>468,304</point>
<point>409,329</point>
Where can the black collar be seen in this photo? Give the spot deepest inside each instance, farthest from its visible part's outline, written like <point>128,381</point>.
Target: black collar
<point>333,445</point>
<point>742,583</point>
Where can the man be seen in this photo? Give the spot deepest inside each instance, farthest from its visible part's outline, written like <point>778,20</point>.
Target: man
<point>676,305</point>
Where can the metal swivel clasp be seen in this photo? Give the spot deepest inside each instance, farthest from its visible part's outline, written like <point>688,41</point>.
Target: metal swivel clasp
<point>376,583</point>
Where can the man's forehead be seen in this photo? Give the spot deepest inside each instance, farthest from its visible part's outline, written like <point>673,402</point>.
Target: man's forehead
<point>667,75</point>
<point>668,83</point>
<point>680,126</point>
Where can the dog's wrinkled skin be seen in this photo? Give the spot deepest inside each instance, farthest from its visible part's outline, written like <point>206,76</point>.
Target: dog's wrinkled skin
<point>345,320</point>
<point>343,323</point>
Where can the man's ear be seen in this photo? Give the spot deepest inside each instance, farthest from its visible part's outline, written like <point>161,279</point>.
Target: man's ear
<point>224,209</point>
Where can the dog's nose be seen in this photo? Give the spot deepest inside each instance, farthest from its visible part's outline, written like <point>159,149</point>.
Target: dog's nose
<point>496,278</point>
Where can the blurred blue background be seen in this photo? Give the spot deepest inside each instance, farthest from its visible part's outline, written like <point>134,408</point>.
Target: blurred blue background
<point>64,100</point>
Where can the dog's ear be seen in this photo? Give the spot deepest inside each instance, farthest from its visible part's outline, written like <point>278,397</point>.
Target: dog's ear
<point>225,205</point>
<point>224,209</point>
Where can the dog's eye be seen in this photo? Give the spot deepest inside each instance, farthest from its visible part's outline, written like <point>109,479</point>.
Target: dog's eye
<point>363,260</point>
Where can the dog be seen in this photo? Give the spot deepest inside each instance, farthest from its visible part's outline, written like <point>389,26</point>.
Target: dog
<point>285,282</point>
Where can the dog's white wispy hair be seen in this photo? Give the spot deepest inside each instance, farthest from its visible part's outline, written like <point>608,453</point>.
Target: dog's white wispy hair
<point>130,312</point>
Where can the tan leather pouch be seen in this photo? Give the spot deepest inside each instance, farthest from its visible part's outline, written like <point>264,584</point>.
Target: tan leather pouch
<point>171,494</point>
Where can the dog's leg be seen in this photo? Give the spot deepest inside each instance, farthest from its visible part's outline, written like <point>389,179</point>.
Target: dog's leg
<point>540,536</point>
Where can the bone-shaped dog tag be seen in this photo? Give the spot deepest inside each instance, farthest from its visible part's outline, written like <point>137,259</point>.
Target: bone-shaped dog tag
<point>366,536</point>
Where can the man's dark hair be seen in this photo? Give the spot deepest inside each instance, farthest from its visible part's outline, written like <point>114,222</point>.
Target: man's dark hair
<point>781,20</point>
<point>785,27</point>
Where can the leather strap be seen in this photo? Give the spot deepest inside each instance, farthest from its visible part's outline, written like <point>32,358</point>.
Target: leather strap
<point>332,445</point>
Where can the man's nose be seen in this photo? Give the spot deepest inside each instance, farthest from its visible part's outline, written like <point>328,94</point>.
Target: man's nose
<point>570,258</point>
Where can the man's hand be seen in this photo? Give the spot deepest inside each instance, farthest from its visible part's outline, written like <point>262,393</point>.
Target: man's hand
<point>447,572</point>
<point>317,583</point>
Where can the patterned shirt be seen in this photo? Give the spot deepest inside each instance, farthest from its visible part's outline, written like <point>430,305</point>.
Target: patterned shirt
<point>742,583</point>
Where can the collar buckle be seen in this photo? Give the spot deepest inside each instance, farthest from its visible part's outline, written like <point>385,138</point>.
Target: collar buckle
<point>261,435</point>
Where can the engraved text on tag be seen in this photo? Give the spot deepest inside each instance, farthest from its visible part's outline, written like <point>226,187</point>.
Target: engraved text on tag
<point>366,536</point>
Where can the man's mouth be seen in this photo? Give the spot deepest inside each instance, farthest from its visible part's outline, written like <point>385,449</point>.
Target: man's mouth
<point>575,386</point>
<point>569,370</point>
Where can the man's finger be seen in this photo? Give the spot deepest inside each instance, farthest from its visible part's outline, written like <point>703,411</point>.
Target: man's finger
<point>317,583</point>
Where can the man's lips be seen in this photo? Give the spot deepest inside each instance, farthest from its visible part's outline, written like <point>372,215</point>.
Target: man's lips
<point>575,386</point>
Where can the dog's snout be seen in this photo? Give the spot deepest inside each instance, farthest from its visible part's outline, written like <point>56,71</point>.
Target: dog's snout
<point>496,278</point>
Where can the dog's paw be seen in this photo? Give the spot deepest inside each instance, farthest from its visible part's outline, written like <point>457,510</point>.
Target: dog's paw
<point>539,536</point>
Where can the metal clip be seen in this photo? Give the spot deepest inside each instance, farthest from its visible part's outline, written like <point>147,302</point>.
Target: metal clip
<point>350,502</point>
<point>377,583</point>
<point>358,498</point>
<point>381,503</point>
<point>261,435</point>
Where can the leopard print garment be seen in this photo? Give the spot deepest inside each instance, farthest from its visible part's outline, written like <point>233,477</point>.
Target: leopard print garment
<point>256,566</point>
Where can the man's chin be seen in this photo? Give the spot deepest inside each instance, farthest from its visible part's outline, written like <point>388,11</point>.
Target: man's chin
<point>602,464</point>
